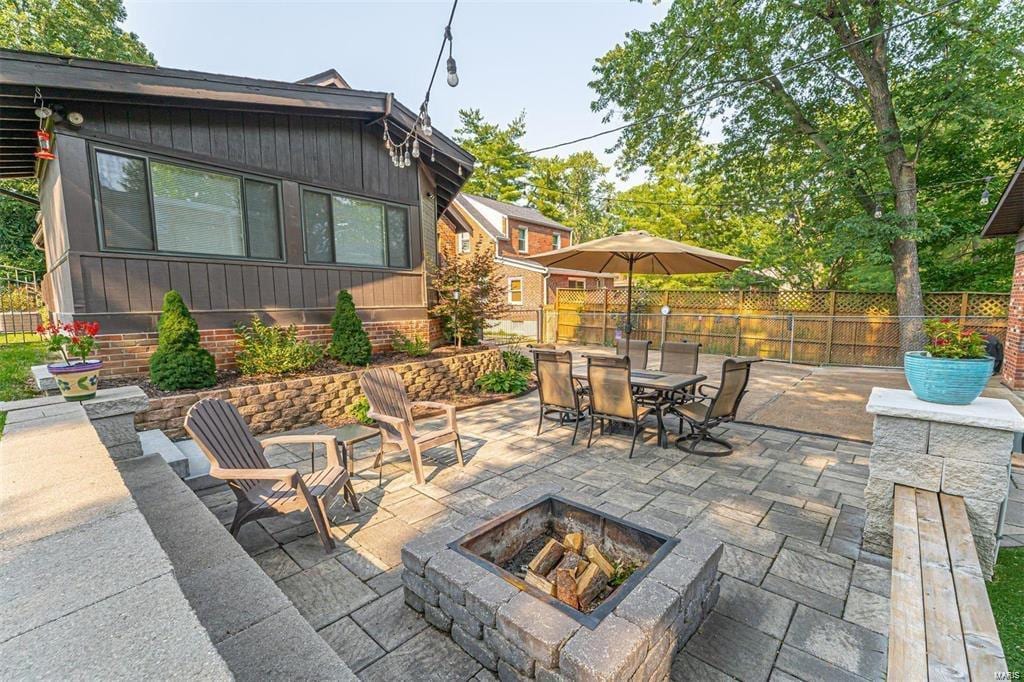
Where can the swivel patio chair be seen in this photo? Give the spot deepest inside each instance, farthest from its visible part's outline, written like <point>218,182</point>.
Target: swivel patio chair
<point>391,408</point>
<point>714,406</point>
<point>638,351</point>
<point>612,398</point>
<point>558,391</point>
<point>676,358</point>
<point>238,458</point>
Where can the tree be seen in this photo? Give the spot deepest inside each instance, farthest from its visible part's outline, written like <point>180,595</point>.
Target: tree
<point>573,191</point>
<point>349,342</point>
<point>179,361</point>
<point>85,28</point>
<point>469,292</point>
<point>860,95</point>
<point>501,164</point>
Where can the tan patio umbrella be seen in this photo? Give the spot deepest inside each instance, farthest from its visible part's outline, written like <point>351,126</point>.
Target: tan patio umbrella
<point>642,253</point>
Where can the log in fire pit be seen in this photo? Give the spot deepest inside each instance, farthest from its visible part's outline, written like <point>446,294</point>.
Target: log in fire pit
<point>552,589</point>
<point>579,559</point>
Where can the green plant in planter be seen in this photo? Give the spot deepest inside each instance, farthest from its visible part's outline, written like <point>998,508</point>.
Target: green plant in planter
<point>349,343</point>
<point>359,410</point>
<point>179,361</point>
<point>515,360</point>
<point>265,349</point>
<point>946,339</point>
<point>416,346</point>
<point>504,381</point>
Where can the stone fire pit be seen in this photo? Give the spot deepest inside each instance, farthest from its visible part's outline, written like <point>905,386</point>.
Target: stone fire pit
<point>455,579</point>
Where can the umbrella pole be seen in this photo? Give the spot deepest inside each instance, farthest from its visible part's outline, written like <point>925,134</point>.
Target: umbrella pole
<point>629,304</point>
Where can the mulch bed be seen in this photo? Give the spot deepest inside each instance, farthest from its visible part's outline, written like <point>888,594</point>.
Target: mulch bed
<point>233,378</point>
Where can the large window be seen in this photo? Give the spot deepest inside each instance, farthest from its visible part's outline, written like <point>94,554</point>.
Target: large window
<point>153,205</point>
<point>341,229</point>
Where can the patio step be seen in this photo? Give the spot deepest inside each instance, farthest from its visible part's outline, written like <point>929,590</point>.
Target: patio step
<point>155,442</point>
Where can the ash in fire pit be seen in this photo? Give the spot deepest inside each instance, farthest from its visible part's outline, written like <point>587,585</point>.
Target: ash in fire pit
<point>580,559</point>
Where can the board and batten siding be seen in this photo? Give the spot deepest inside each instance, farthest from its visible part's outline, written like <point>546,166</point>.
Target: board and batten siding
<point>124,290</point>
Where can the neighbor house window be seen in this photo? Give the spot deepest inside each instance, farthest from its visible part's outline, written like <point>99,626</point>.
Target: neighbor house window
<point>462,240</point>
<point>523,236</point>
<point>343,229</point>
<point>515,290</point>
<point>152,205</point>
<point>556,241</point>
<point>577,283</point>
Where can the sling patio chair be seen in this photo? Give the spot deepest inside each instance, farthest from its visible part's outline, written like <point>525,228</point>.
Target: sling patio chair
<point>612,398</point>
<point>391,409</point>
<point>714,406</point>
<point>676,358</point>
<point>638,351</point>
<point>558,391</point>
<point>261,490</point>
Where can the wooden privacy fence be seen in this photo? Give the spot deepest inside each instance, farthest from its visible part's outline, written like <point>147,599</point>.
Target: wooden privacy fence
<point>816,327</point>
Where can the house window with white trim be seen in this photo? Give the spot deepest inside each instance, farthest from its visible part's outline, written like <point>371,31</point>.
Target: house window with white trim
<point>577,283</point>
<point>556,241</point>
<point>463,242</point>
<point>515,290</point>
<point>523,238</point>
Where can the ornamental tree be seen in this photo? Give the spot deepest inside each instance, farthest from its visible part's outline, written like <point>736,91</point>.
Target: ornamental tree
<point>179,361</point>
<point>469,292</point>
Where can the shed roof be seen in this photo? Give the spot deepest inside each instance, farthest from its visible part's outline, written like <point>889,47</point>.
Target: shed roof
<point>1008,215</point>
<point>62,77</point>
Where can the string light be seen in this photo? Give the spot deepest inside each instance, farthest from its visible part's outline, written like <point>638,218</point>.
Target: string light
<point>984,193</point>
<point>878,211</point>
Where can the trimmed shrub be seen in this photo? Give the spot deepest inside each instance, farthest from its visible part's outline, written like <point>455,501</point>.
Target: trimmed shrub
<point>416,346</point>
<point>349,343</point>
<point>505,381</point>
<point>266,349</point>
<point>179,361</point>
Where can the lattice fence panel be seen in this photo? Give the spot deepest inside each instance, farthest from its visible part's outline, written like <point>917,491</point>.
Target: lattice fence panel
<point>943,304</point>
<point>988,305</point>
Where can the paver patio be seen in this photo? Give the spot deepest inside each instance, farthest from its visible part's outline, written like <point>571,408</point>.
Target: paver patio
<point>799,599</point>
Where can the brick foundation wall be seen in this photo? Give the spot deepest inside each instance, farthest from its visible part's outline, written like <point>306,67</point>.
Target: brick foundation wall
<point>294,403</point>
<point>1013,359</point>
<point>128,354</point>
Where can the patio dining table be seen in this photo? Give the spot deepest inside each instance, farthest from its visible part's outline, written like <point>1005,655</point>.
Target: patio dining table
<point>662,382</point>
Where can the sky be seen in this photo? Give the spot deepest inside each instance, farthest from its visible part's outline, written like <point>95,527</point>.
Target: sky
<point>512,56</point>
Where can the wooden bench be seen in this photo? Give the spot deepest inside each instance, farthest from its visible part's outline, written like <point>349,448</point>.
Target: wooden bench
<point>940,625</point>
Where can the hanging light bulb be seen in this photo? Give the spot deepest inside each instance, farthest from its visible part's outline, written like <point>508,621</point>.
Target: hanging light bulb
<point>406,160</point>
<point>460,170</point>
<point>453,74</point>
<point>878,211</point>
<point>415,148</point>
<point>985,196</point>
<point>431,155</point>
<point>425,127</point>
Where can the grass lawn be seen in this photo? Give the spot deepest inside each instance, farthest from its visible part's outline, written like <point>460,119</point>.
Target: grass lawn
<point>15,362</point>
<point>1006,592</point>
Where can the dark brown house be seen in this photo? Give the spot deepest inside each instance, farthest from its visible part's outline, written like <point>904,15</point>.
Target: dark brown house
<point>247,196</point>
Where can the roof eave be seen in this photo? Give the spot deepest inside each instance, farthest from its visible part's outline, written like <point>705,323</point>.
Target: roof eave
<point>1011,199</point>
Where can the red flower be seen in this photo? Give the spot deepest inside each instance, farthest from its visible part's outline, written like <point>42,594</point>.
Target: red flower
<point>946,320</point>
<point>941,342</point>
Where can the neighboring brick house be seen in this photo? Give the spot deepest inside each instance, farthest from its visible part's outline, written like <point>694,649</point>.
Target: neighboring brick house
<point>1008,219</point>
<point>514,232</point>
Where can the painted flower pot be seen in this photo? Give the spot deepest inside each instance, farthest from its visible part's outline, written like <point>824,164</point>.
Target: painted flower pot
<point>77,380</point>
<point>948,381</point>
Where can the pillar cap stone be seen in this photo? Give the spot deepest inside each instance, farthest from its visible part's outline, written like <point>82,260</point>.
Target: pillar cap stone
<point>985,413</point>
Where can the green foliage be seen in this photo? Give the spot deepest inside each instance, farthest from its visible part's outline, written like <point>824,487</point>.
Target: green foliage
<point>359,410</point>
<point>516,361</point>
<point>947,339</point>
<point>572,191</point>
<point>179,361</point>
<point>16,360</point>
<point>504,381</point>
<point>266,349</point>
<point>469,292</point>
<point>85,28</point>
<point>349,343</point>
<point>1006,593</point>
<point>416,346</point>
<point>501,164</point>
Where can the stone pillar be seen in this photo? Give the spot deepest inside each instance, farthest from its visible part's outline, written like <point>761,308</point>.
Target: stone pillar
<point>112,413</point>
<point>956,449</point>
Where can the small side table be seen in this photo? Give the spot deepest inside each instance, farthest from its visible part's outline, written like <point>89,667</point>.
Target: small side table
<point>349,435</point>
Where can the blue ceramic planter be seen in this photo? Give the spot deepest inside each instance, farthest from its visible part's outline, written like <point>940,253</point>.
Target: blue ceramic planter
<point>946,380</point>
